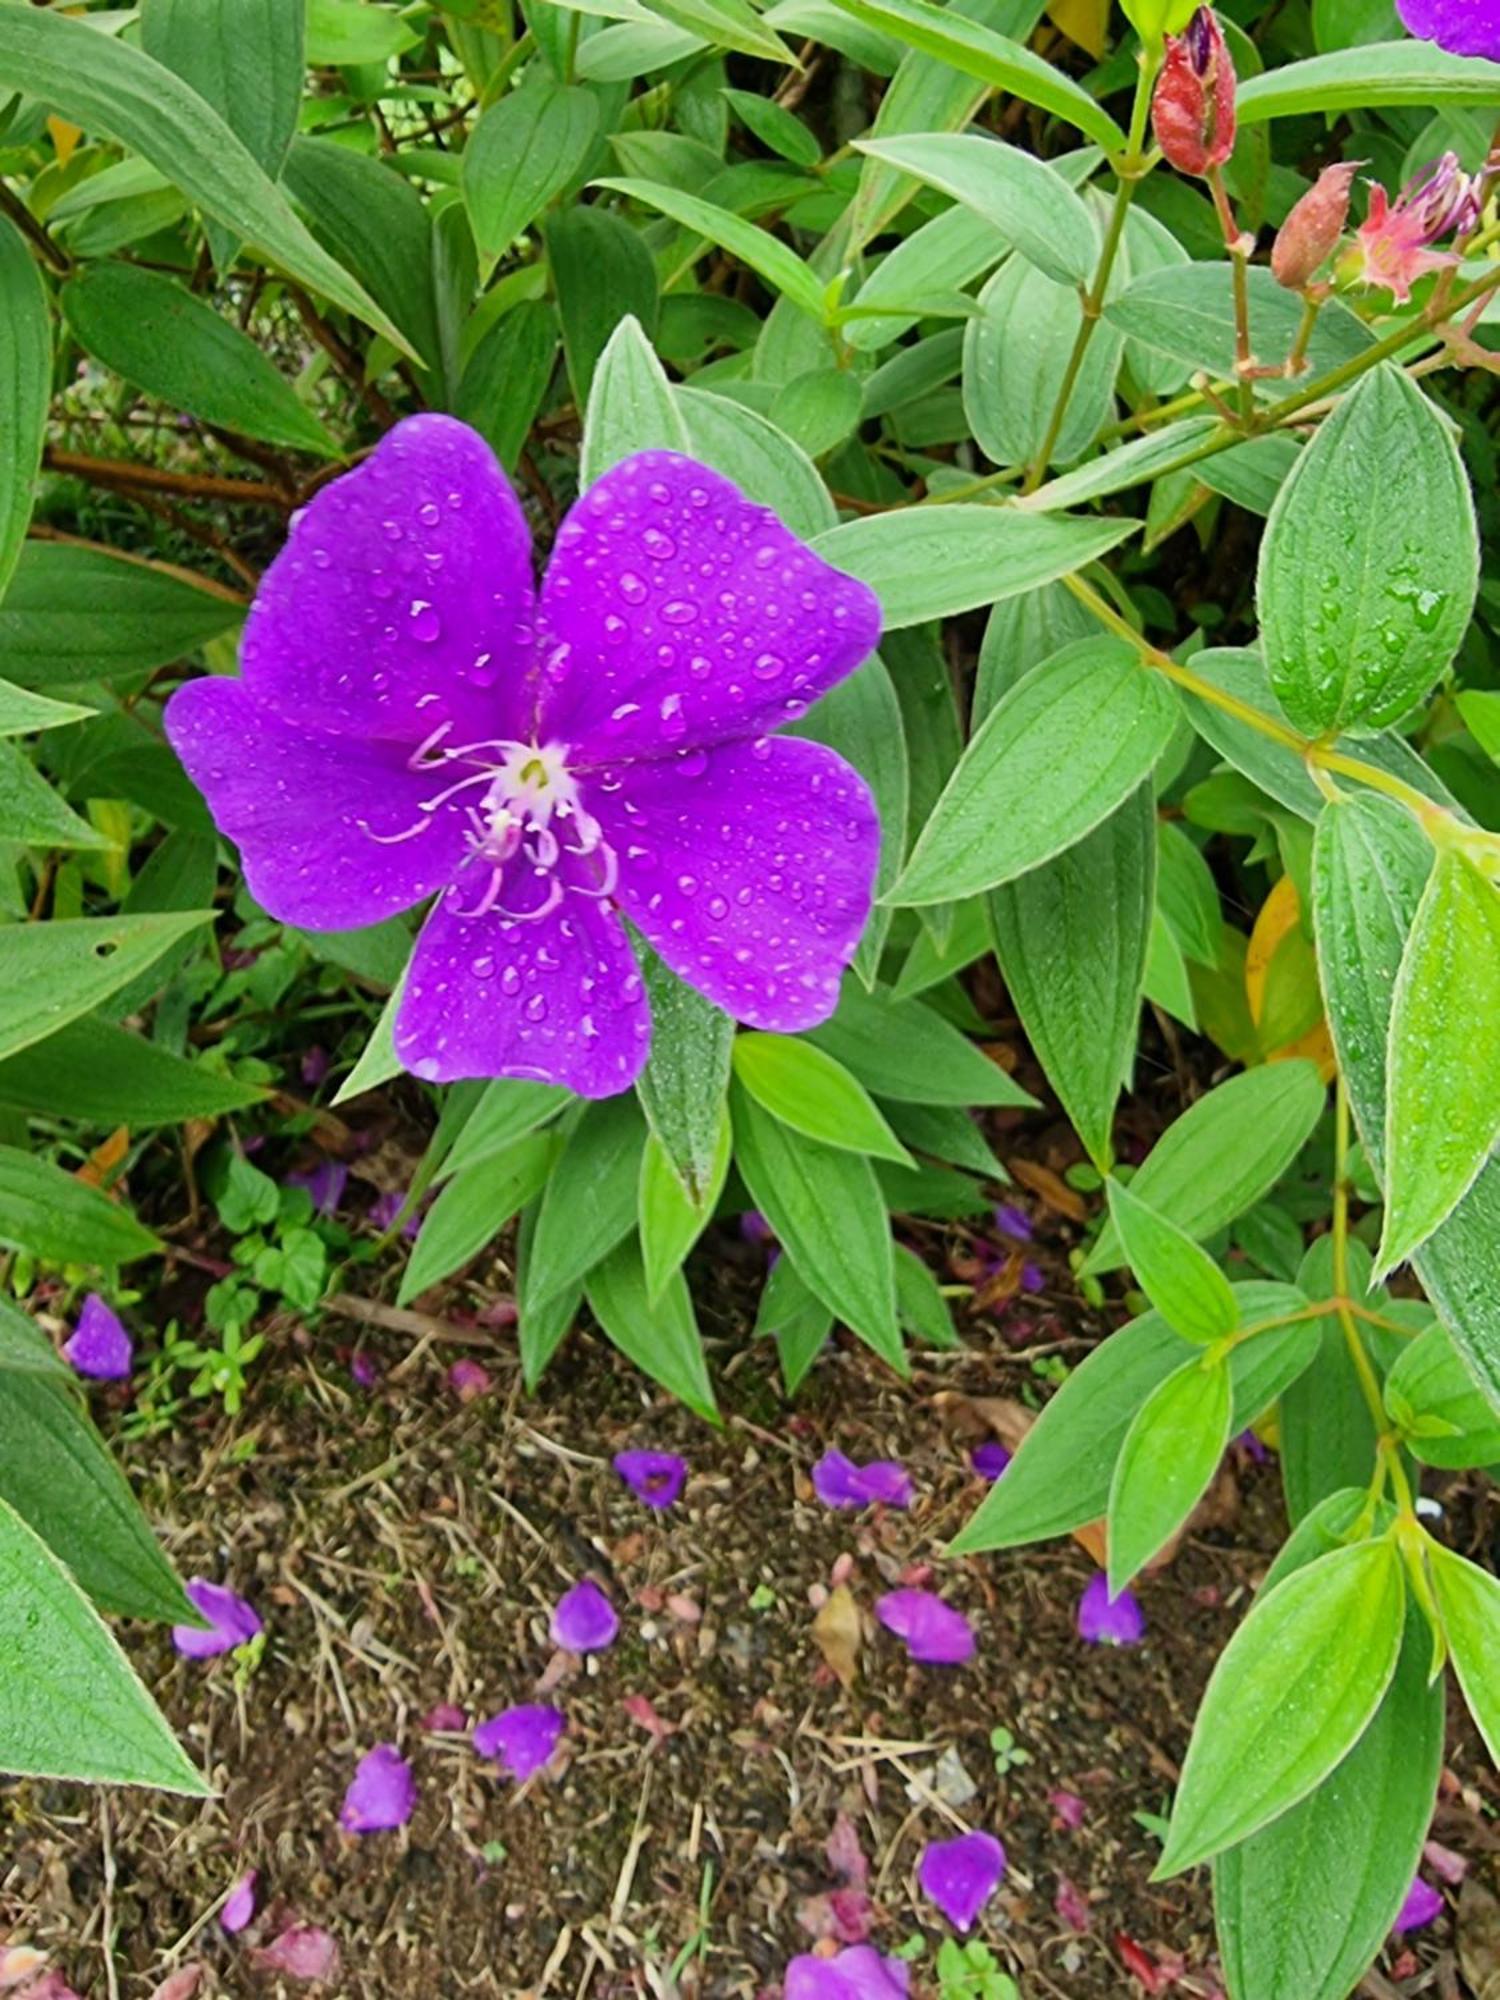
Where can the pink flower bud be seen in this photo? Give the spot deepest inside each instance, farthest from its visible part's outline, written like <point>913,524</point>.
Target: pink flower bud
<point>1192,107</point>
<point>1311,232</point>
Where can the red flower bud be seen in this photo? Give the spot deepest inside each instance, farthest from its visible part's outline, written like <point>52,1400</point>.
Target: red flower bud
<point>1192,107</point>
<point>1311,232</point>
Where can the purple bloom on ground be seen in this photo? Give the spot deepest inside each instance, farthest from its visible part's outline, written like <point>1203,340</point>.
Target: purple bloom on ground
<point>859,1972</point>
<point>469,1379</point>
<point>654,1477</point>
<point>1033,1277</point>
<point>521,1739</point>
<point>989,1460</point>
<point>325,1184</point>
<point>364,1369</point>
<point>839,1482</point>
<point>99,1346</point>
<point>1110,1621</point>
<point>961,1875</point>
<point>584,1620</point>
<point>233,1621</point>
<point>382,1794</point>
<point>934,1632</point>
<point>386,1207</point>
<point>415,720</point>
<point>1251,1445</point>
<point>239,1906</point>
<point>1462,27</point>
<point>1423,1906</point>
<point>1013,1220</point>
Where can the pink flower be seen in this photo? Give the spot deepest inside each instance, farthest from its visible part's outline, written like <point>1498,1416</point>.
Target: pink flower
<point>239,1906</point>
<point>934,1632</point>
<point>1391,246</point>
<point>382,1794</point>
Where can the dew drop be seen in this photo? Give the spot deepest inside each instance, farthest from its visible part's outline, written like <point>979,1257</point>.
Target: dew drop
<point>718,908</point>
<point>429,513</point>
<point>632,587</point>
<point>424,623</point>
<point>535,1008</point>
<point>768,666</point>
<point>679,611</point>
<point>510,980</point>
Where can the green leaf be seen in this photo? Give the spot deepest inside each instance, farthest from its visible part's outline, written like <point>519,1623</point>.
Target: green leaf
<point>796,1318</point>
<point>1432,1397</point>
<point>1292,1694</point>
<point>524,151</point>
<point>25,1350</point>
<point>1188,894</point>
<point>109,87</point>
<point>32,814</point>
<point>933,562</point>
<point>1224,1153</point>
<point>1469,1600</point>
<point>1304,1905</point>
<point>63,1220</point>
<point>165,341</point>
<point>1053,758</point>
<point>776,127</point>
<point>946,1133</point>
<point>22,713</point>
<point>631,405</point>
<point>1362,604</point>
<point>474,1206</point>
<point>509,1107</point>
<point>943,256</point>
<point>761,460</point>
<point>1407,72</point>
<point>682,1087</point>
<point>506,377</point>
<point>601,271</point>
<point>1071,938</point>
<point>1442,1114</point>
<point>903,1050</point>
<point>92,1070</point>
<point>59,970</point>
<point>811,1091</point>
<point>378,1061</point>
<point>920,1304</point>
<point>1183,1282</point>
<point>1170,1454</point>
<point>1016,351</point>
<point>25,390</point>
<point>672,1219</point>
<point>765,254</point>
<point>826,1208</point>
<point>729,24</point>
<point>992,58</point>
<point>1187,311</point>
<point>589,1203</point>
<point>57,1474</point>
<point>350,32</point>
<point>71,1705</point>
<point>76,614</point>
<point>246,61</point>
<point>1132,464</point>
<point>660,1336</point>
<point>1013,190</point>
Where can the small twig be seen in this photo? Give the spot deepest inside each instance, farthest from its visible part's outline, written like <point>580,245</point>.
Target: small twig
<point>51,251</point>
<point>343,357</point>
<point>400,1319</point>
<point>124,472</point>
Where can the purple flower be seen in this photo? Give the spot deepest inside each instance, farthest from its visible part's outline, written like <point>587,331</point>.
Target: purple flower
<point>386,1207</point>
<point>839,1482</point>
<point>413,719</point>
<point>520,1739</point>
<point>1033,1277</point>
<point>655,1477</point>
<point>233,1621</point>
<point>324,1183</point>
<point>857,1973</point>
<point>584,1620</point>
<point>934,1632</point>
<point>989,1460</point>
<point>1110,1621</point>
<point>364,1370</point>
<point>1251,1445</point>
<point>755,1228</point>
<point>961,1875</point>
<point>1012,1220</point>
<point>1459,26</point>
<point>239,1905</point>
<point>382,1794</point>
<point>99,1346</point>
<point>1423,1906</point>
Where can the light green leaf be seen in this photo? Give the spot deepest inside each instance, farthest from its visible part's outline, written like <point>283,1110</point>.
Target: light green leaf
<point>775,127</point>
<point>32,814</point>
<point>1187,311</point>
<point>509,1107</point>
<point>1407,72</point>
<point>903,1050</point>
<point>474,1206</point>
<point>22,712</point>
<point>765,254</point>
<point>811,1091</point>
<point>62,1219</point>
<point>796,1318</point>
<point>589,1203</point>
<point>56,971</point>
<point>25,390</point>
<point>1469,1600</point>
<point>1170,1454</point>
<point>728,24</point>
<point>1182,1281</point>
<point>1016,351</point>
<point>761,460</point>
<point>341,33</point>
<point>1128,465</point>
<point>659,1336</point>
<point>378,1061</point>
<point>247,61</point>
<point>75,614</point>
<point>1442,1415</point>
<point>631,405</point>
<point>523,152</point>
<point>92,1070</point>
<point>671,1219</point>
<point>682,1087</point>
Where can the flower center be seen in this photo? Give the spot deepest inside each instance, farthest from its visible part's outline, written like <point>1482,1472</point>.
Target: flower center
<point>530,839</point>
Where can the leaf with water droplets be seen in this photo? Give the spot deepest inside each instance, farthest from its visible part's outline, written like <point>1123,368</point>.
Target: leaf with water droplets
<point>682,1087</point>
<point>631,405</point>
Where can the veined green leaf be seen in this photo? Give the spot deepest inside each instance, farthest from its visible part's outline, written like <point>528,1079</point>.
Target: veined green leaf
<point>901,1049</point>
<point>589,1202</point>
<point>1409,72</point>
<point>25,390</point>
<point>811,1091</point>
<point>1182,1281</point>
<point>631,405</point>
<point>1442,1415</point>
<point>93,1070</point>
<point>1170,1454</point>
<point>671,1218</point>
<point>56,971</point>
<point>1469,1599</point>
<point>660,1335</point>
<point>474,1206</point>
<point>73,615</point>
<point>765,254</point>
<point>22,712</point>
<point>524,151</point>
<point>682,1087</point>
<point>62,1219</point>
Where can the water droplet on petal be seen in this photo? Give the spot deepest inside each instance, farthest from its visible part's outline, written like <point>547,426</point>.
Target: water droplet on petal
<point>429,514</point>
<point>632,587</point>
<point>424,624</point>
<point>535,1008</point>
<point>679,611</point>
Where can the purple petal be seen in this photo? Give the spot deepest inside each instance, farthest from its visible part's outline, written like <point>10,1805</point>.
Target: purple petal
<point>233,1621</point>
<point>364,1370</point>
<point>934,1632</point>
<point>239,1906</point>
<point>1423,1905</point>
<point>655,1477</point>
<point>989,1460</point>
<point>1462,27</point>
<point>382,1794</point>
<point>558,999</point>
<point>584,1620</point>
<point>99,1346</point>
<point>1012,1220</point>
<point>750,869</point>
<point>521,1739</point>
<point>677,614</point>
<point>325,1184</point>
<point>386,1207</point>
<point>403,598</point>
<point>469,1379</point>
<point>320,821</point>
<point>1110,1621</point>
<point>755,1228</point>
<point>1253,1448</point>
<point>961,1875</point>
<point>857,1973</point>
<point>839,1482</point>
<point>302,1951</point>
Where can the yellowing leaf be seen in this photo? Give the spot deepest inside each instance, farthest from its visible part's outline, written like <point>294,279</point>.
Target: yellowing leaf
<point>1279,916</point>
<point>1085,22</point>
<point>839,1633</point>
<point>64,138</point>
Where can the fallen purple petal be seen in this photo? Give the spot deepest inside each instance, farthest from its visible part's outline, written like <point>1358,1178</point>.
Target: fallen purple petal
<point>324,1183</point>
<point>961,1875</point>
<point>1033,1277</point>
<point>1072,1905</point>
<point>99,1346</point>
<point>584,1620</point>
<point>839,1482</point>
<point>232,1619</point>
<point>857,1973</point>
<point>382,1794</point>
<point>1110,1621</point>
<point>1252,1447</point>
<point>1070,1809</point>
<point>364,1370</point>
<point>313,1066</point>
<point>989,1460</point>
<point>934,1632</point>
<point>755,1228</point>
<point>386,1207</point>
<point>1012,1220</point>
<point>302,1951</point>
<point>521,1739</point>
<point>469,1380</point>
<point>1423,1905</point>
<point>445,1720</point>
<point>1444,1863</point>
<point>239,1905</point>
<point>654,1477</point>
